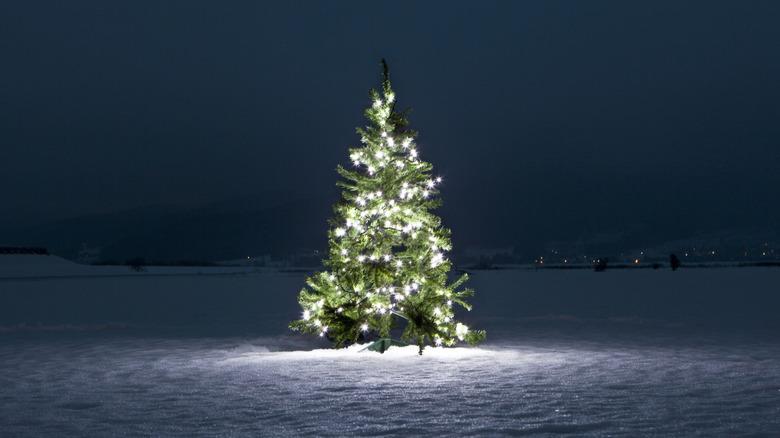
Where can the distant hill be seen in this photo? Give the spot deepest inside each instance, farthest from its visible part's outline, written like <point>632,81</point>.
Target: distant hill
<point>220,231</point>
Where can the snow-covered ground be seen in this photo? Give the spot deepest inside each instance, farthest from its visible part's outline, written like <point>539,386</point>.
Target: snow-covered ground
<point>568,353</point>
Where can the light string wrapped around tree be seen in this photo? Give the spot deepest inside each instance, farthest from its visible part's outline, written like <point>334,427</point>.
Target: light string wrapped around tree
<point>388,252</point>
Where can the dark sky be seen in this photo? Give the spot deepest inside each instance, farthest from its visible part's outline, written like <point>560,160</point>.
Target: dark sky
<point>551,118</point>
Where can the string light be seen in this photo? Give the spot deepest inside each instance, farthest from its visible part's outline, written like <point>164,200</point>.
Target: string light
<point>387,211</point>
<point>461,331</point>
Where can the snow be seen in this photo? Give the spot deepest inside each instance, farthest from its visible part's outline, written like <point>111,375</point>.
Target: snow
<point>576,353</point>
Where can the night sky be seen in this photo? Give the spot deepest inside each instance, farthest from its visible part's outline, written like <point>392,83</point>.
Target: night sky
<point>548,120</point>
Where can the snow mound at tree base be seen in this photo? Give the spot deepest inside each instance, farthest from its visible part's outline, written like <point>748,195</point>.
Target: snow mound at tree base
<point>359,352</point>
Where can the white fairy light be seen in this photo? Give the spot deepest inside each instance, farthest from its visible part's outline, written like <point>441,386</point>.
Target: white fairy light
<point>364,327</point>
<point>461,331</point>
<point>407,141</point>
<point>437,341</point>
<point>399,263</point>
<point>437,311</point>
<point>437,259</point>
<point>306,315</point>
<point>340,232</point>
<point>339,310</point>
<point>430,183</point>
<point>384,134</point>
<point>386,257</point>
<point>343,252</point>
<point>361,258</point>
<point>438,179</point>
<point>371,170</point>
<point>373,257</point>
<point>361,202</point>
<point>413,153</point>
<point>390,142</point>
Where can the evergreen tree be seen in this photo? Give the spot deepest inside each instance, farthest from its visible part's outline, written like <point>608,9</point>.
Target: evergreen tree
<point>387,262</point>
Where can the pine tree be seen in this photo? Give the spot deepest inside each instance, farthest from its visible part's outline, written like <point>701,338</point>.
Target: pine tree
<point>387,262</point>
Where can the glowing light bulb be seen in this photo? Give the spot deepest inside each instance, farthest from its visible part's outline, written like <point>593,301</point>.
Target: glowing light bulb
<point>461,331</point>
<point>361,258</point>
<point>384,134</point>
<point>340,232</point>
<point>386,257</point>
<point>438,179</point>
<point>413,153</point>
<point>364,327</point>
<point>437,311</point>
<point>390,142</point>
<point>430,183</point>
<point>437,341</point>
<point>306,315</point>
<point>343,252</point>
<point>371,170</point>
<point>399,263</point>
<point>339,310</point>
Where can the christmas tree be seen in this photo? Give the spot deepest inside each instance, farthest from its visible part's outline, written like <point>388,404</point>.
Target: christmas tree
<point>388,261</point>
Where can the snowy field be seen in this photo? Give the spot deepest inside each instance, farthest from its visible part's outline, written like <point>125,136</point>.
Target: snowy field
<point>621,353</point>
